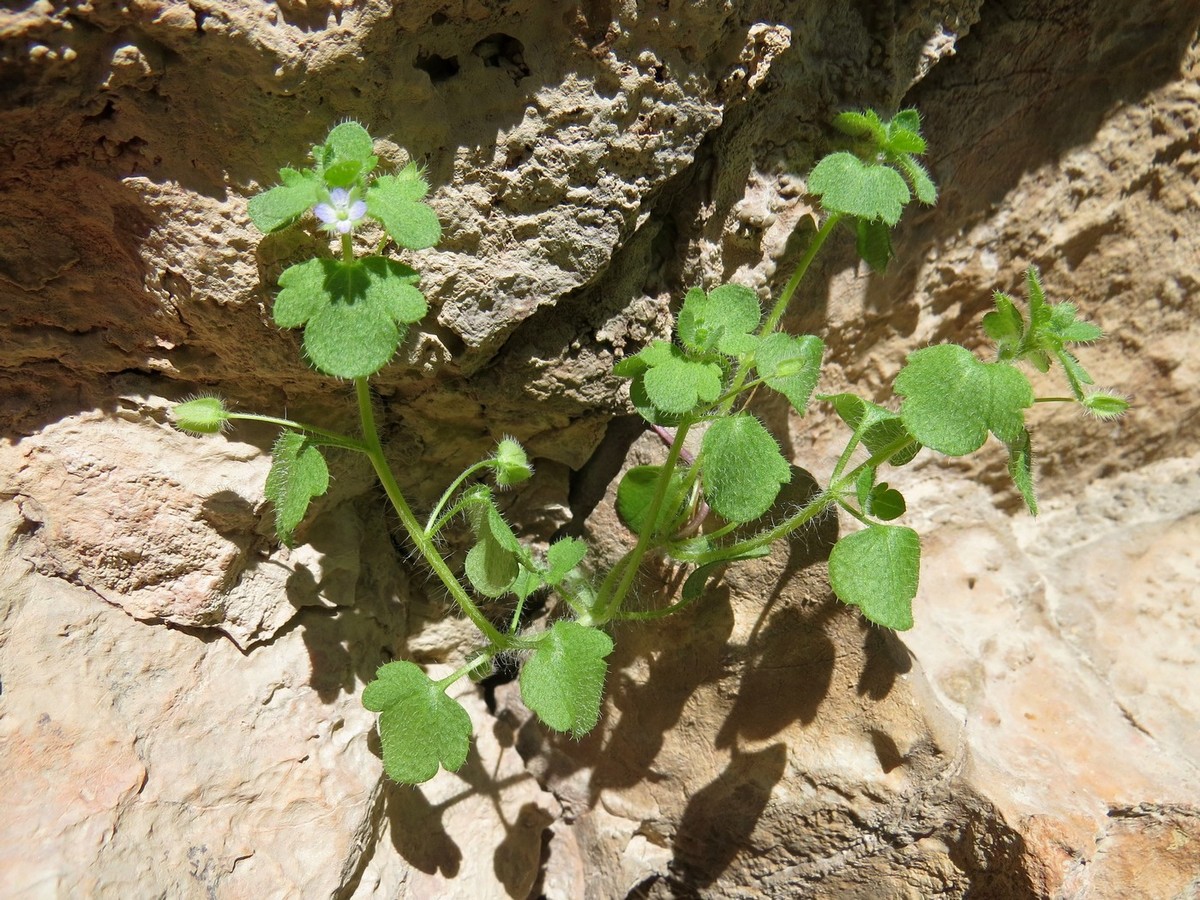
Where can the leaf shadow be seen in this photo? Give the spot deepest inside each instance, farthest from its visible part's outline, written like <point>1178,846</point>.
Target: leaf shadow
<point>720,818</point>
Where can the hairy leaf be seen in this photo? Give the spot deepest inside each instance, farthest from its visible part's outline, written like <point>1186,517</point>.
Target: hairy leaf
<point>741,467</point>
<point>873,241</point>
<point>673,382</point>
<point>847,185</point>
<point>952,400</point>
<point>395,200</point>
<point>722,320</point>
<point>355,314</point>
<point>1020,467</point>
<point>877,570</point>
<point>420,727</point>
<point>492,564</point>
<point>563,682</point>
<point>877,427</point>
<point>298,473</point>
<point>280,206</point>
<point>563,556</point>
<point>791,365</point>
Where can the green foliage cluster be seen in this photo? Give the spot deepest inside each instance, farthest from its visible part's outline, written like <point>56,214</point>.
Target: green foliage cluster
<point>704,509</point>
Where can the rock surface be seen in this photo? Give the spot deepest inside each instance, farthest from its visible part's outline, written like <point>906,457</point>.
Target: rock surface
<point>179,711</point>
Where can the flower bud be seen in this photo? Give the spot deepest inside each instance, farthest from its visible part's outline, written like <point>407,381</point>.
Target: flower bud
<point>203,415</point>
<point>511,463</point>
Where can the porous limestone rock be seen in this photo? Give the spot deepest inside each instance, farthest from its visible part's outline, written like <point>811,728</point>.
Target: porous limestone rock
<point>179,710</point>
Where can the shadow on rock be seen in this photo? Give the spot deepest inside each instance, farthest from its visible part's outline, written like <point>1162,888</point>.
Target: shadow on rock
<point>721,817</point>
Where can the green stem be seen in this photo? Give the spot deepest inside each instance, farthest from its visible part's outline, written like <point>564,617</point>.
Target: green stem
<point>818,505</point>
<point>781,305</point>
<point>330,437</point>
<point>454,485</point>
<point>466,669</point>
<point>851,445</point>
<point>801,270</point>
<point>609,600</point>
<point>1055,400</point>
<point>416,533</point>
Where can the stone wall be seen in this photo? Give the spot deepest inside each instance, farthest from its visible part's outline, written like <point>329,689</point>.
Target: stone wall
<point>179,710</point>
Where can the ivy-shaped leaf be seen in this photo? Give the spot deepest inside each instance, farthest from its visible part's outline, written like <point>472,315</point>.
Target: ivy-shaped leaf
<point>868,191</point>
<point>420,727</point>
<point>791,365</point>
<point>721,321</point>
<point>280,206</point>
<point>395,200</point>
<point>877,570</point>
<point>673,382</point>
<point>741,467</point>
<point>952,400</point>
<point>355,313</point>
<point>298,473</point>
<point>563,682</point>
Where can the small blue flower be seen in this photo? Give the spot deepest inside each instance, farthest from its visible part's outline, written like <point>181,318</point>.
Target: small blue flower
<point>342,213</point>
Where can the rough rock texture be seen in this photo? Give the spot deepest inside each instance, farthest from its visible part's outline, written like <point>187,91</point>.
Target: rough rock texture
<point>179,709</point>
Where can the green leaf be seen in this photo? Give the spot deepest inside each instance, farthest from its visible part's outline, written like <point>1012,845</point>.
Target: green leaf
<point>563,682</point>
<point>873,241</point>
<point>395,201</point>
<point>343,174</point>
<point>741,467</point>
<point>562,557</point>
<point>350,142</point>
<point>1005,325</point>
<point>885,503</point>
<point>922,185</point>
<point>1081,333</point>
<point>298,473</point>
<point>900,142</point>
<point>419,726</point>
<point>847,185</point>
<point>877,570</point>
<point>877,427</point>
<point>862,486</point>
<point>908,120</point>
<point>952,400</point>
<point>282,205</point>
<point>673,382</point>
<point>355,314</point>
<point>721,320</point>
<point>865,124</point>
<point>635,493</point>
<point>790,365</point>
<point>492,564</point>
<point>1020,467</point>
<point>527,582</point>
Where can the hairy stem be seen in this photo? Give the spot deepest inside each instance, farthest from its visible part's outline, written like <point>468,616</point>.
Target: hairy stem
<point>416,533</point>
<point>610,600</point>
<point>332,438</point>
